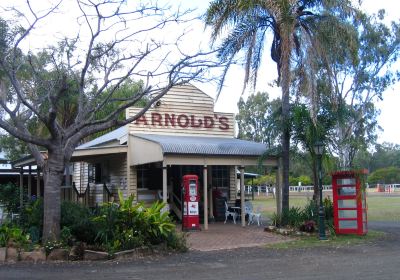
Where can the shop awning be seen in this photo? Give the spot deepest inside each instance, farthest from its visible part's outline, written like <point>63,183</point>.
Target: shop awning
<point>175,149</point>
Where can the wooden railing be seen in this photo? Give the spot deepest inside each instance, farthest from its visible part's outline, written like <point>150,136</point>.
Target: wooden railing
<point>70,193</point>
<point>176,205</point>
<point>88,197</point>
<point>108,196</point>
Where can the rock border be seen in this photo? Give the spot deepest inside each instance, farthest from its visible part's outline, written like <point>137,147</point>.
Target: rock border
<point>12,254</point>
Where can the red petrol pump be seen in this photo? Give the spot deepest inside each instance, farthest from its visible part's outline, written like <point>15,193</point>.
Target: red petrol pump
<point>191,198</point>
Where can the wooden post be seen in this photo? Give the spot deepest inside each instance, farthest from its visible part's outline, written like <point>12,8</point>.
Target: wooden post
<point>205,197</point>
<point>242,213</point>
<point>30,182</point>
<point>38,182</point>
<point>21,189</point>
<point>164,186</point>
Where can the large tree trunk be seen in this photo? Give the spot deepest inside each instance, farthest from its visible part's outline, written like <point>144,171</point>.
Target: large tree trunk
<point>285,80</point>
<point>53,174</point>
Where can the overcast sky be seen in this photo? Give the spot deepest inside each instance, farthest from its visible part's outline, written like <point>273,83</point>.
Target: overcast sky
<point>389,107</point>
<point>227,102</point>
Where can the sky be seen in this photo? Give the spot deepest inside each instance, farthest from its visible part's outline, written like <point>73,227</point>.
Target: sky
<point>389,107</point>
<point>232,90</point>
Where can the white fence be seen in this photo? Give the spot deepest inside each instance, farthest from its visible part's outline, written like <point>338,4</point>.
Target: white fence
<point>270,190</point>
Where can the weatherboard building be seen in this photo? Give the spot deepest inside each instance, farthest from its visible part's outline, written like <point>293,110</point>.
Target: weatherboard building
<point>181,134</point>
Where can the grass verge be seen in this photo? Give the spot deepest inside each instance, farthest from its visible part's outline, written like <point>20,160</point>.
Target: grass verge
<point>333,241</point>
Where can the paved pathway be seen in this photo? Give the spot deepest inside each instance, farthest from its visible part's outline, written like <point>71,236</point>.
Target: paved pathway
<point>229,236</point>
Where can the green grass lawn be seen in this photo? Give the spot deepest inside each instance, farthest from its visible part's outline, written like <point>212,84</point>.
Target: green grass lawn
<point>334,241</point>
<point>380,208</point>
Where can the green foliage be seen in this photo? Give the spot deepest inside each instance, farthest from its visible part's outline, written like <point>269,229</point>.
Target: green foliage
<point>9,232</point>
<point>66,236</point>
<point>127,225</point>
<point>303,179</point>
<point>258,119</point>
<point>78,219</point>
<point>388,175</point>
<point>305,218</point>
<point>265,180</point>
<point>177,241</point>
<point>9,197</point>
<point>159,223</point>
<point>293,217</point>
<point>106,223</point>
<point>32,216</point>
<point>328,208</point>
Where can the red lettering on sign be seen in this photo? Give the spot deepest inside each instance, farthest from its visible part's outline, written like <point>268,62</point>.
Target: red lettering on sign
<point>208,122</point>
<point>156,118</point>
<point>170,119</point>
<point>193,121</point>
<point>183,121</point>
<point>141,119</point>
<point>223,123</point>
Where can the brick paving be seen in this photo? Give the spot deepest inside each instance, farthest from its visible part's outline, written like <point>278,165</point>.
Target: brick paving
<point>220,236</point>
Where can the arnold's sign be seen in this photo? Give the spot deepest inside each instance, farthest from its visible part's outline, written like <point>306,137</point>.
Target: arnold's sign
<point>184,121</point>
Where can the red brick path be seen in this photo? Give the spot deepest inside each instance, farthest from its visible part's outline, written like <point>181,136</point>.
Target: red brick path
<point>229,236</point>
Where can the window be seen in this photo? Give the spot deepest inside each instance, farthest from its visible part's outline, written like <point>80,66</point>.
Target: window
<point>220,176</point>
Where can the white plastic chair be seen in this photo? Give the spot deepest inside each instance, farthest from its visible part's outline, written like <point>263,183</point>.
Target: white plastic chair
<point>248,209</point>
<point>229,212</point>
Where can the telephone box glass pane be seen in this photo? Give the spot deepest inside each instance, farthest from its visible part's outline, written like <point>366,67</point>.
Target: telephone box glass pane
<point>347,213</point>
<point>192,187</point>
<point>347,203</point>
<point>347,224</point>
<point>347,181</point>
<point>346,191</point>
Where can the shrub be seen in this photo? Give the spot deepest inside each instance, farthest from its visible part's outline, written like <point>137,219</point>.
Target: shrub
<point>177,241</point>
<point>66,236</point>
<point>292,217</point>
<point>127,225</point>
<point>107,223</point>
<point>78,219</point>
<point>157,223</point>
<point>308,226</point>
<point>328,207</point>
<point>31,218</point>
<point>12,233</point>
<point>310,211</point>
<point>9,197</point>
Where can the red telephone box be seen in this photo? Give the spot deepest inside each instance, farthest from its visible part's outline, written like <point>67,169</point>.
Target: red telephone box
<point>191,197</point>
<point>349,202</point>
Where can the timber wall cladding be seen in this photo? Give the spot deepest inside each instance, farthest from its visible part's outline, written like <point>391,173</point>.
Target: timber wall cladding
<point>80,178</point>
<point>184,110</point>
<point>114,167</point>
<point>232,184</point>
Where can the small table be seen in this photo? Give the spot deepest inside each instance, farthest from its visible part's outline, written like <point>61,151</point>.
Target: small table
<point>237,209</point>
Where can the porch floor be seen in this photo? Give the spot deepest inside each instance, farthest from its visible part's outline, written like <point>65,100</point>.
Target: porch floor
<point>220,236</point>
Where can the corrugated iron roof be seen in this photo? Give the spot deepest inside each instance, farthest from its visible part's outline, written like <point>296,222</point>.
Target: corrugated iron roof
<point>171,144</point>
<point>108,137</point>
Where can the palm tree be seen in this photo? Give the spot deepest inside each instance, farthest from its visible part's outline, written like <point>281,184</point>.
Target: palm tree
<point>252,21</point>
<point>249,22</point>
